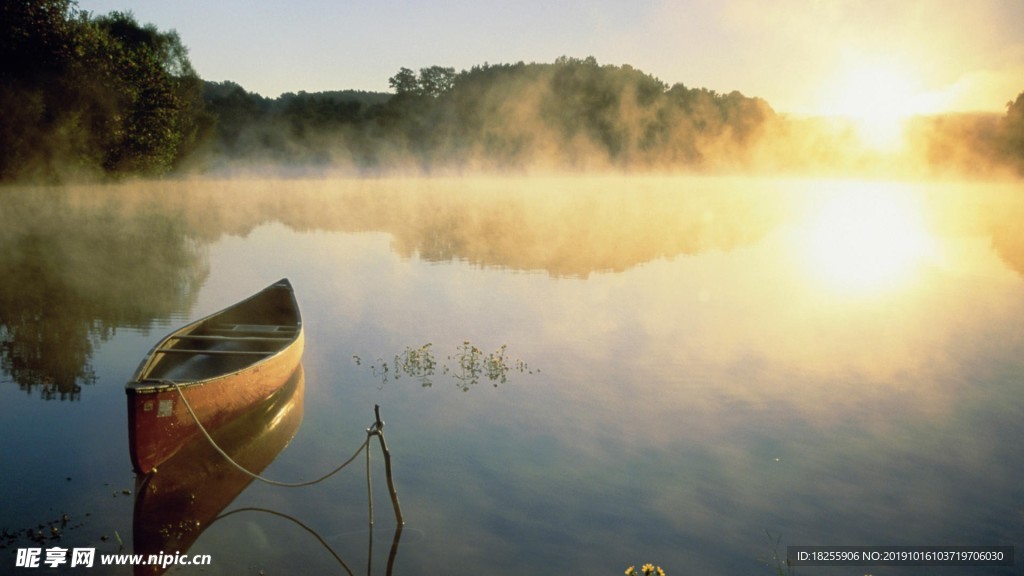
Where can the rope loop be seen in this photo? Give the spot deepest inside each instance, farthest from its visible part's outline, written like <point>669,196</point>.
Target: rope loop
<point>253,475</point>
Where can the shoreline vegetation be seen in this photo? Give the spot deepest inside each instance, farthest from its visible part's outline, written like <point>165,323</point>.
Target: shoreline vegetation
<point>97,98</point>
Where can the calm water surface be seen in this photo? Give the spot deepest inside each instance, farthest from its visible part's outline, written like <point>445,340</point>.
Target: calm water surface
<point>577,375</point>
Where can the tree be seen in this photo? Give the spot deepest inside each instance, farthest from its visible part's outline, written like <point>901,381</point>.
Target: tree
<point>36,50</point>
<point>1013,131</point>
<point>101,94</point>
<point>405,82</point>
<point>436,80</point>
<point>433,81</point>
<point>148,75</point>
<point>38,37</point>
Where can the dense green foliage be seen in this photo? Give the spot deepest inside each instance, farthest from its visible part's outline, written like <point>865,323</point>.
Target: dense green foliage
<point>294,129</point>
<point>94,95</point>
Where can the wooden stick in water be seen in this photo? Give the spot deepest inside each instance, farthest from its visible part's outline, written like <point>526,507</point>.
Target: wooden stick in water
<point>387,466</point>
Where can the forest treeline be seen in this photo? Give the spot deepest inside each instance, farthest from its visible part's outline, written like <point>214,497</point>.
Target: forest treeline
<point>570,114</point>
<point>104,96</point>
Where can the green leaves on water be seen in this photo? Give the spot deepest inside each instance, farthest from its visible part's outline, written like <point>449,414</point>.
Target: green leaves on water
<point>466,367</point>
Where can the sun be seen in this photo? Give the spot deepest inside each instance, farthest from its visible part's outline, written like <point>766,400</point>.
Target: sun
<point>878,98</point>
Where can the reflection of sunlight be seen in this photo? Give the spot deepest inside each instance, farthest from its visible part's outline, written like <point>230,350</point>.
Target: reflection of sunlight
<point>867,237</point>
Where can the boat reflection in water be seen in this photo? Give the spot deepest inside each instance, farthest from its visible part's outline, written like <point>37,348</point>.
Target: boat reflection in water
<point>174,505</point>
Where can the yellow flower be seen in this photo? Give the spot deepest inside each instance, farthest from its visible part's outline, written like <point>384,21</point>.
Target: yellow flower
<point>648,569</point>
<point>630,571</point>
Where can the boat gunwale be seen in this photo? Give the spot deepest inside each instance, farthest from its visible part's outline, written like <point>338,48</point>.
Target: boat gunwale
<point>145,385</point>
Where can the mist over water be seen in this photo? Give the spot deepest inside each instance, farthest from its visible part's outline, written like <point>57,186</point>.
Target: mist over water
<point>701,367</point>
<point>85,256</point>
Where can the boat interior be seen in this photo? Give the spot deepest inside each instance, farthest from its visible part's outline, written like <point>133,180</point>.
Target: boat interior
<point>230,340</point>
<point>217,349</point>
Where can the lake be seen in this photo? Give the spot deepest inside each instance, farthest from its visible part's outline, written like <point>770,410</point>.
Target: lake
<point>577,375</point>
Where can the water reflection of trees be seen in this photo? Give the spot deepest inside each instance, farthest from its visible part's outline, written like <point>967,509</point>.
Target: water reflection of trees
<point>1008,234</point>
<point>994,211</point>
<point>74,272</point>
<point>79,263</point>
<point>566,227</point>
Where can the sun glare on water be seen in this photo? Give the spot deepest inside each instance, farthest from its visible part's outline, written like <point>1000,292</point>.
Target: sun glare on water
<point>865,238</point>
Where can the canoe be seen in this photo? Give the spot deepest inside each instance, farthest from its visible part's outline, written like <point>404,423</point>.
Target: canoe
<point>175,505</point>
<point>223,364</point>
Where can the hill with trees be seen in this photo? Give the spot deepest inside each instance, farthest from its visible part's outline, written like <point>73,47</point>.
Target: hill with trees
<point>104,96</point>
<point>572,114</point>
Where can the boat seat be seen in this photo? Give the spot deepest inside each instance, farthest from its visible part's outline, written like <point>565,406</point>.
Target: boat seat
<point>197,352</point>
<point>218,338</point>
<point>253,328</point>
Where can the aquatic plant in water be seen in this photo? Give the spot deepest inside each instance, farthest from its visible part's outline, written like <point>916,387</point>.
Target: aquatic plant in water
<point>645,570</point>
<point>468,366</point>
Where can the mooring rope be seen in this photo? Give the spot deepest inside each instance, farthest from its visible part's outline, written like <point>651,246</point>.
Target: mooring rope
<point>297,522</point>
<point>253,475</point>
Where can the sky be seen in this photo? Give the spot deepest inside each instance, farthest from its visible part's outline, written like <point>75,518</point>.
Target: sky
<point>804,57</point>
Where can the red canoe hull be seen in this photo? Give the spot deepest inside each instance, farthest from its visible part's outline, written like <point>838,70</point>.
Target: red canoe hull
<point>222,373</point>
<point>175,505</point>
